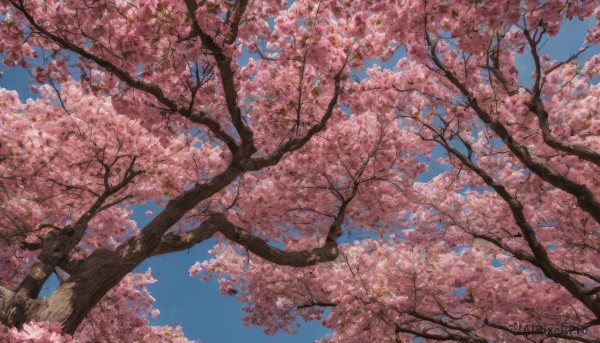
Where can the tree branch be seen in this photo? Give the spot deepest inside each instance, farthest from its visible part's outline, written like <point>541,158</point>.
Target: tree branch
<point>297,143</point>
<point>537,106</point>
<point>542,260</point>
<point>227,73</point>
<point>585,198</point>
<point>258,246</point>
<point>129,80</point>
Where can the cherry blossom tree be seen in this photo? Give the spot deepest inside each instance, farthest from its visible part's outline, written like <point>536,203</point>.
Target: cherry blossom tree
<point>246,121</point>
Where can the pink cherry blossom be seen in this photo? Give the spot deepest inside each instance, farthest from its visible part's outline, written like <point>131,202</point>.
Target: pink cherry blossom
<point>387,168</point>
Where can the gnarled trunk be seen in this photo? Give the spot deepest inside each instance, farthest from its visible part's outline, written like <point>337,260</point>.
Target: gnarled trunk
<point>73,299</point>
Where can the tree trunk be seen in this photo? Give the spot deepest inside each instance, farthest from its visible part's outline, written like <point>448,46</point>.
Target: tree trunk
<point>73,299</point>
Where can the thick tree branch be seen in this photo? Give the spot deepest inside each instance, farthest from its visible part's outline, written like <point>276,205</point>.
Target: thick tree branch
<point>327,252</point>
<point>258,246</point>
<point>238,11</point>
<point>173,242</point>
<point>316,303</point>
<point>139,247</point>
<point>57,245</point>
<point>69,266</point>
<point>218,223</point>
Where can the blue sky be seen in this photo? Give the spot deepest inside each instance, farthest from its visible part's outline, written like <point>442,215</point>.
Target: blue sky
<point>198,306</point>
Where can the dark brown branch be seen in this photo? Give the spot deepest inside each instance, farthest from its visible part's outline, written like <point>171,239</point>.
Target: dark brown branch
<point>536,106</point>
<point>139,247</point>
<point>227,75</point>
<point>542,260</point>
<point>5,293</point>
<point>585,198</point>
<point>215,128</point>
<point>57,244</point>
<point>69,266</point>
<point>238,12</point>
<point>258,246</point>
<point>316,303</point>
<point>588,275</point>
<point>30,246</point>
<point>115,202</point>
<point>297,143</point>
<point>579,150</point>
<point>173,242</point>
<point>218,223</point>
<point>326,253</point>
<point>129,80</point>
<point>516,252</point>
